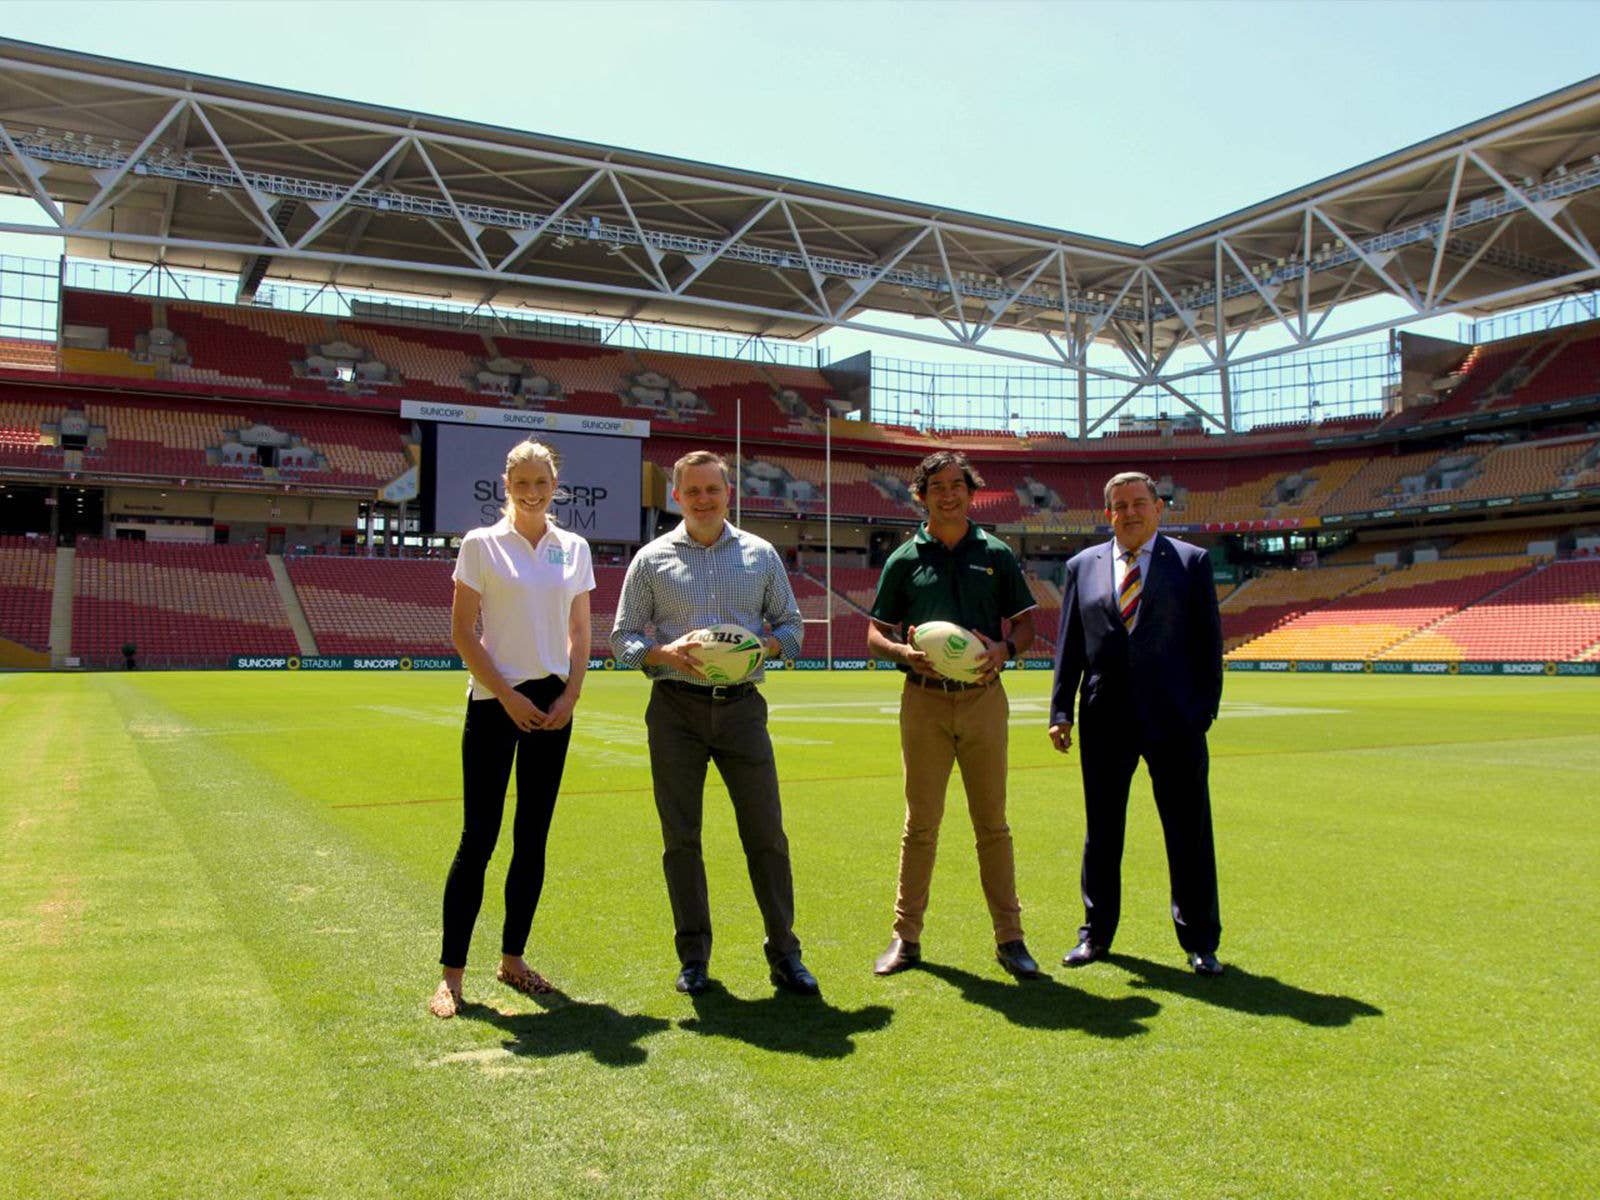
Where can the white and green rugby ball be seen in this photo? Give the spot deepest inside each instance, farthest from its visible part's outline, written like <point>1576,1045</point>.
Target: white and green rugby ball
<point>728,653</point>
<point>954,652</point>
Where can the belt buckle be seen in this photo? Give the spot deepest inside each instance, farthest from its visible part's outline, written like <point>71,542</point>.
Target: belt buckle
<point>721,691</point>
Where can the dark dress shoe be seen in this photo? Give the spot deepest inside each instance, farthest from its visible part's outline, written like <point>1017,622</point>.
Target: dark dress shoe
<point>1014,957</point>
<point>694,979</point>
<point>1084,953</point>
<point>791,975</point>
<point>898,957</point>
<point>1205,964</point>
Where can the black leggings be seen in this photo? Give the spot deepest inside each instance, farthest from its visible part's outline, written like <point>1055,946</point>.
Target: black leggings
<point>489,741</point>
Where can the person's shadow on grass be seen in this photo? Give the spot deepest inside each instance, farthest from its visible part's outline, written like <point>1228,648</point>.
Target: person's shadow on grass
<point>1045,1003</point>
<point>784,1024</point>
<point>568,1026</point>
<point>1244,991</point>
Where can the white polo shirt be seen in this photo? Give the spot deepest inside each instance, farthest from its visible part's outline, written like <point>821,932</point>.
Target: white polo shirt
<point>527,597</point>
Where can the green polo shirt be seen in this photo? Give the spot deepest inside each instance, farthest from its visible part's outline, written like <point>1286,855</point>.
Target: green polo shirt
<point>975,585</point>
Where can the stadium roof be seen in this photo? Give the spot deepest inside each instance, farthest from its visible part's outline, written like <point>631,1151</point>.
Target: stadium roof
<point>145,164</point>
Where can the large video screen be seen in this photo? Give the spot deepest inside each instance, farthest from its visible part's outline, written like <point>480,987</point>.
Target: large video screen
<point>601,475</point>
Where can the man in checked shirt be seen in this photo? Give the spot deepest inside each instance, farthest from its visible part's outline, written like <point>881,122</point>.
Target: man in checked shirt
<point>702,573</point>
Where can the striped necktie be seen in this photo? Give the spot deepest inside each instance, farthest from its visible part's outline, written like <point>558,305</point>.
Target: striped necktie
<point>1132,586</point>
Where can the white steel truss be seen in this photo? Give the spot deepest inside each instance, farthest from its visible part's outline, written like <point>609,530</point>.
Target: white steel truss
<point>148,165</point>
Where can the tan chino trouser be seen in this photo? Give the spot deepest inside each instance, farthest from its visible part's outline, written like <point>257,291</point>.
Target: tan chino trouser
<point>938,730</point>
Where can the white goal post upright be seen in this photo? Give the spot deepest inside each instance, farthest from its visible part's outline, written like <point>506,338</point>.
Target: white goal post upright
<point>827,525</point>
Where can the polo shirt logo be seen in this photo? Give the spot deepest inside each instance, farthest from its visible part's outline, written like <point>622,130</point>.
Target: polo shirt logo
<point>557,556</point>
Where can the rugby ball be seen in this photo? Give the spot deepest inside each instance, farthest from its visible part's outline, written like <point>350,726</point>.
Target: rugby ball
<point>728,653</point>
<point>952,651</point>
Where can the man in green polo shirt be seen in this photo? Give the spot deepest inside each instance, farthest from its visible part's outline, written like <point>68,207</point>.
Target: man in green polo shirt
<point>953,571</point>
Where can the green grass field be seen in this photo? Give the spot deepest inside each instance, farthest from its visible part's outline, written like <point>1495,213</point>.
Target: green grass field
<point>219,900</point>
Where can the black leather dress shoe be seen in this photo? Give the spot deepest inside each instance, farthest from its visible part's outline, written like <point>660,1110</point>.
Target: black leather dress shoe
<point>898,957</point>
<point>791,975</point>
<point>1084,953</point>
<point>1205,964</point>
<point>694,979</point>
<point>1014,957</point>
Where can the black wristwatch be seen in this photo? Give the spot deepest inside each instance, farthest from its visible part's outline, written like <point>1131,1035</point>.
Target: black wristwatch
<point>1011,650</point>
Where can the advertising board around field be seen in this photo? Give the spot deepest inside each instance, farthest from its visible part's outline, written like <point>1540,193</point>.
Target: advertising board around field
<point>449,662</point>
<point>1286,666</point>
<point>346,662</point>
<point>1303,666</point>
<point>464,456</point>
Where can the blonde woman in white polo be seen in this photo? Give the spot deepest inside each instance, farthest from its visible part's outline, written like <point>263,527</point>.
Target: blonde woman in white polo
<point>529,581</point>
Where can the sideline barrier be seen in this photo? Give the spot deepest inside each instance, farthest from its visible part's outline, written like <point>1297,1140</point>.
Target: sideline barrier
<point>1289,666</point>
<point>345,662</point>
<point>407,662</point>
<point>1309,666</point>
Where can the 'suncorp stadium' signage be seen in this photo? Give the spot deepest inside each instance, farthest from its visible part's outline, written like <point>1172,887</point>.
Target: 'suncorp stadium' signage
<point>345,662</point>
<point>598,497</point>
<point>1433,667</point>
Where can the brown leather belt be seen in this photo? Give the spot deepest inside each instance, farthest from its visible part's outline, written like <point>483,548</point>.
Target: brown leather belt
<point>943,685</point>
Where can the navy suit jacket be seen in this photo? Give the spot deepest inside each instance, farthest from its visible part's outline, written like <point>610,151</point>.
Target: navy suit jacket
<point>1167,674</point>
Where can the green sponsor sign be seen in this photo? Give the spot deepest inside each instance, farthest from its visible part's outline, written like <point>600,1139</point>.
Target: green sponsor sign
<point>345,662</point>
<point>1302,666</point>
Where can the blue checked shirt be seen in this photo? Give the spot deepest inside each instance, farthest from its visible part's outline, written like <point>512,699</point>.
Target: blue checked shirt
<point>674,584</point>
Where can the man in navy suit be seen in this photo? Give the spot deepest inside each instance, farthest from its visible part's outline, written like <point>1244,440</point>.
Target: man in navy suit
<point>1141,634</point>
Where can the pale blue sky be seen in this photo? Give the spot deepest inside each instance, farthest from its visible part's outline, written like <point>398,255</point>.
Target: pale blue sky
<point>1128,120</point>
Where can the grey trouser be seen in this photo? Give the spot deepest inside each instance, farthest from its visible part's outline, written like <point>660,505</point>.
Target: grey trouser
<point>687,731</point>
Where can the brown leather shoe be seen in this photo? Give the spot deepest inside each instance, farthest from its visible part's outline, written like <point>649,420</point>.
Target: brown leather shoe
<point>898,957</point>
<point>1014,957</point>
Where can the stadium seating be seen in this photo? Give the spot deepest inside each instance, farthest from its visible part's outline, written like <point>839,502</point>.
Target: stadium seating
<point>435,364</point>
<point>1551,614</point>
<point>586,373</point>
<point>26,354</point>
<point>375,605</point>
<point>1380,613</point>
<point>1515,541</point>
<point>22,439</point>
<point>1572,369</point>
<point>1273,597</point>
<point>181,605</point>
<point>27,583</point>
<point>1528,467</point>
<point>181,439</point>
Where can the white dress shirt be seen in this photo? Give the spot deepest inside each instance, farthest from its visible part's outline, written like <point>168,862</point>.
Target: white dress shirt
<point>1119,572</point>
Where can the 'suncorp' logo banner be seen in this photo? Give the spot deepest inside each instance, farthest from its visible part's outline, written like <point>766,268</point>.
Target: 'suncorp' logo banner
<point>1301,666</point>
<point>521,418</point>
<point>344,662</point>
